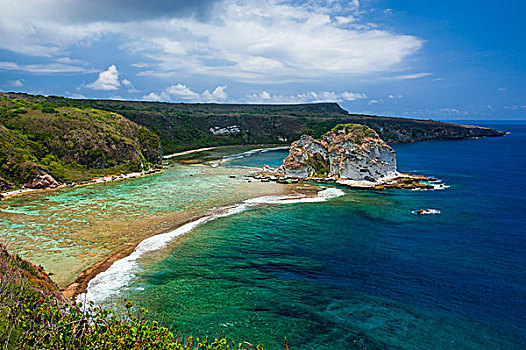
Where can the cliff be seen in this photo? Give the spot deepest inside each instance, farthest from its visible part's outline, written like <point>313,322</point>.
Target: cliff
<point>183,126</point>
<point>348,151</point>
<point>45,143</point>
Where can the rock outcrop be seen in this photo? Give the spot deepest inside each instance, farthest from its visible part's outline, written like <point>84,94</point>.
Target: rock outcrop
<point>347,152</point>
<point>5,185</point>
<point>43,181</point>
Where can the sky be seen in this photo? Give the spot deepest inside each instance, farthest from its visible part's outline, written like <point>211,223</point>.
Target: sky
<point>445,60</point>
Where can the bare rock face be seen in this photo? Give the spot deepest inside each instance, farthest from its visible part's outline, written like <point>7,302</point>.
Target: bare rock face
<point>349,151</point>
<point>43,181</point>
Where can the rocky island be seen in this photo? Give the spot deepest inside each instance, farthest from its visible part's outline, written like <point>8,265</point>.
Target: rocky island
<point>349,154</point>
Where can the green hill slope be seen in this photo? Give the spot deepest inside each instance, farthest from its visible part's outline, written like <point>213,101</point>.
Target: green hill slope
<point>39,137</point>
<point>183,126</point>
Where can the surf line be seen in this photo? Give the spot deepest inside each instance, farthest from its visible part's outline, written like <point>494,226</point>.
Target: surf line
<point>119,274</point>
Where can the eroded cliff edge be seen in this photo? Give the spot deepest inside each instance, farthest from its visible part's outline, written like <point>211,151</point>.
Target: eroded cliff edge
<point>184,126</point>
<point>349,154</point>
<point>348,151</point>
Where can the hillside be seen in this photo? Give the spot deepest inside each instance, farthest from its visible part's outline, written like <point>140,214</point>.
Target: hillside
<point>43,141</point>
<point>34,315</point>
<point>185,126</point>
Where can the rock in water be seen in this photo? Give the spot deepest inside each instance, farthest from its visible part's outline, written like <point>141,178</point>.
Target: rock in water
<point>349,151</point>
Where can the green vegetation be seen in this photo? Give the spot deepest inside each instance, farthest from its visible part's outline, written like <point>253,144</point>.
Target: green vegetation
<point>183,126</point>
<point>71,143</point>
<point>318,164</point>
<point>359,132</point>
<point>33,315</point>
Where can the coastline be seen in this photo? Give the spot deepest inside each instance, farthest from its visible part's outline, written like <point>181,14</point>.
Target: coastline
<point>197,150</point>
<point>311,193</point>
<point>80,284</point>
<point>255,147</point>
<point>93,181</point>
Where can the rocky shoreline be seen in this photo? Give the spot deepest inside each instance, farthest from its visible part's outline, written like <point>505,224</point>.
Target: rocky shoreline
<point>400,181</point>
<point>46,184</point>
<point>351,155</point>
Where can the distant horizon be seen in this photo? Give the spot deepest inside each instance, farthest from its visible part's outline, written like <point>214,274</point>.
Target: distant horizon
<point>404,58</point>
<point>460,119</point>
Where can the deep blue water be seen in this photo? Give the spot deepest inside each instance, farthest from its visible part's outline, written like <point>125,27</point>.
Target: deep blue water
<point>362,271</point>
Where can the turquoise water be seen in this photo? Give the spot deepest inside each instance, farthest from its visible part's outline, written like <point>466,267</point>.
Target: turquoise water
<point>362,271</point>
<point>69,229</point>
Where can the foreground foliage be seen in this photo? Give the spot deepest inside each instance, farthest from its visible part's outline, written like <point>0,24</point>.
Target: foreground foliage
<point>33,315</point>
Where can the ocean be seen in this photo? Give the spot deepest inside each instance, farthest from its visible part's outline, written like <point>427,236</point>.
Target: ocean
<point>359,270</point>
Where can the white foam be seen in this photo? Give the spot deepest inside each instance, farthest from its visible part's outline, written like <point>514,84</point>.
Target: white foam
<point>437,186</point>
<point>120,273</point>
<point>426,212</point>
<point>249,153</point>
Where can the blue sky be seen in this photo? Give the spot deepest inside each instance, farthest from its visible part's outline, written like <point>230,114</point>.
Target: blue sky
<point>442,59</point>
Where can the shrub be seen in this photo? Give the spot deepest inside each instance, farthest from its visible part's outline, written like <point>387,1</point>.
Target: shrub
<point>49,110</point>
<point>32,316</point>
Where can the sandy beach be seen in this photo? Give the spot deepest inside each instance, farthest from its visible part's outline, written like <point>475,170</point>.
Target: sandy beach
<point>290,194</point>
<point>95,180</point>
<point>189,152</point>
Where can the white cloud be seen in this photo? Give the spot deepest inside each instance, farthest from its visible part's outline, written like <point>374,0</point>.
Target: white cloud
<point>413,76</point>
<point>140,65</point>
<point>108,80</point>
<point>502,89</point>
<point>395,96</point>
<point>452,111</point>
<point>219,94</point>
<point>515,107</point>
<point>49,68</point>
<point>306,97</point>
<point>152,96</point>
<point>250,40</point>
<point>182,92</point>
<point>128,84</point>
<point>16,83</point>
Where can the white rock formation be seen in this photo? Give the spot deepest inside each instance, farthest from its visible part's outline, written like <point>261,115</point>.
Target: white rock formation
<point>348,152</point>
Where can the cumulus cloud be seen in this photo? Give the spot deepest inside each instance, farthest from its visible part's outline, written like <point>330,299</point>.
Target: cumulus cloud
<point>252,40</point>
<point>305,97</point>
<point>180,92</point>
<point>108,80</point>
<point>219,94</point>
<point>16,83</point>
